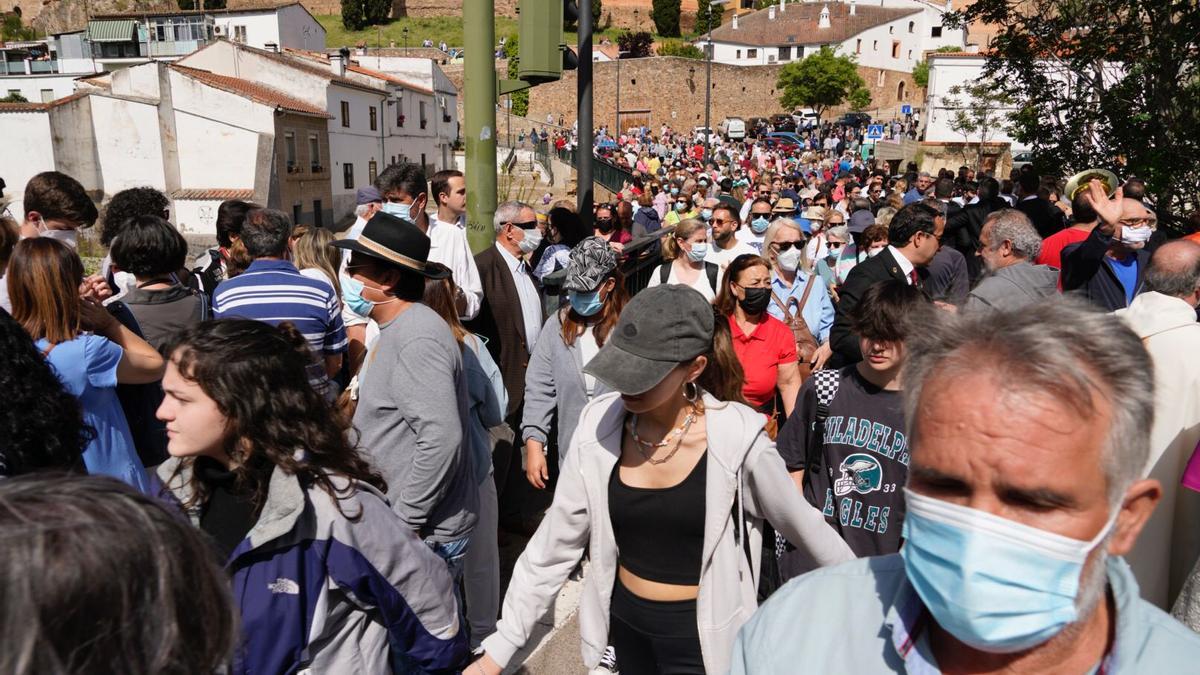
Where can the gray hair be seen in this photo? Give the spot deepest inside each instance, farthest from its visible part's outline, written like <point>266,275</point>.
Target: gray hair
<point>1062,347</point>
<point>360,211</point>
<point>840,231</point>
<point>1014,227</point>
<point>1174,269</point>
<point>773,231</point>
<point>507,213</point>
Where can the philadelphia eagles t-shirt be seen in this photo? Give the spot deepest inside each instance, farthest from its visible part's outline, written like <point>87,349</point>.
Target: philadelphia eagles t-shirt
<point>864,460</point>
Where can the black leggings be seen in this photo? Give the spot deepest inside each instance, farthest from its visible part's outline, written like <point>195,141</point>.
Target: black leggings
<point>654,638</point>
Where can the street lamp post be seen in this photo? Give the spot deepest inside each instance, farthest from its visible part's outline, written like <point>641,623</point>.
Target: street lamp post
<point>405,33</point>
<point>708,54</point>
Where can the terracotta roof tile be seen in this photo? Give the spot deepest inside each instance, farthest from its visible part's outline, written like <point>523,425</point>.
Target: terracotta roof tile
<point>214,193</point>
<point>388,78</point>
<point>252,90</point>
<point>798,25</point>
<point>40,107</point>
<point>302,63</point>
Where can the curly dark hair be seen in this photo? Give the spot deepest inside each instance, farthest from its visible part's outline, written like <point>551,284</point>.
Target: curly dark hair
<point>129,204</point>
<point>256,374</point>
<point>41,424</point>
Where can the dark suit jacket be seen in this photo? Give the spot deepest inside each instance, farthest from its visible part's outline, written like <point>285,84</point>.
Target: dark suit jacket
<point>1046,217</point>
<point>1085,272</point>
<point>963,228</point>
<point>500,321</point>
<point>867,273</point>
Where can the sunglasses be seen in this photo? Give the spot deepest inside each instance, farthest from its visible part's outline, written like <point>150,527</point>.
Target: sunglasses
<point>527,225</point>
<point>787,245</point>
<point>723,221</point>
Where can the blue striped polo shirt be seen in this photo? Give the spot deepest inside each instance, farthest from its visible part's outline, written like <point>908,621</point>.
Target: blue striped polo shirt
<point>274,291</point>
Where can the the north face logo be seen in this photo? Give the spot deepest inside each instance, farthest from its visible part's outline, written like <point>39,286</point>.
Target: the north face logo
<point>282,585</point>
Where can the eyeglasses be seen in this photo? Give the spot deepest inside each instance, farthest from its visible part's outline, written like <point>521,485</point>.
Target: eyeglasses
<point>527,225</point>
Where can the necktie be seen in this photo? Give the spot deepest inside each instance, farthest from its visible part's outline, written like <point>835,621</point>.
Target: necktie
<point>913,278</point>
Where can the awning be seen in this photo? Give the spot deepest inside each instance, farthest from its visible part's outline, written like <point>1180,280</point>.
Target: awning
<point>112,31</point>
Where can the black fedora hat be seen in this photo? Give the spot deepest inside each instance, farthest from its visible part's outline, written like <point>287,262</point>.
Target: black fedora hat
<point>395,241</point>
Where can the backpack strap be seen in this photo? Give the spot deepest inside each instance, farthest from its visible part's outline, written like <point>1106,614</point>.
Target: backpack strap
<point>825,385</point>
<point>664,272</point>
<point>713,271</point>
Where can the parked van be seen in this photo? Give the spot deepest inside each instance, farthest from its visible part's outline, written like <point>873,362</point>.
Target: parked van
<point>733,129</point>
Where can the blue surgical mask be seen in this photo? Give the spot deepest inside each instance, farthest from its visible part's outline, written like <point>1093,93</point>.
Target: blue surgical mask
<point>706,214</point>
<point>698,252</point>
<point>759,225</point>
<point>680,206</point>
<point>352,296</point>
<point>674,191</point>
<point>994,584</point>
<point>398,210</point>
<point>585,304</point>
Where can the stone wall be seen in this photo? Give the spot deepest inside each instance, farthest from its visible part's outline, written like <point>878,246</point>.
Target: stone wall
<point>671,90</point>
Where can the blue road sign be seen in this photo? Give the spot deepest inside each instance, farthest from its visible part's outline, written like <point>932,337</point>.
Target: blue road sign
<point>906,109</point>
<point>875,132</point>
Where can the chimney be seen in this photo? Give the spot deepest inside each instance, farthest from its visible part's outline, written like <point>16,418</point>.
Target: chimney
<point>337,62</point>
<point>735,17</point>
<point>853,6</point>
<point>823,21</point>
<point>771,13</point>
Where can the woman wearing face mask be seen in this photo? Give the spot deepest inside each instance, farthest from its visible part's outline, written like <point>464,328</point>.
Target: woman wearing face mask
<point>840,257</point>
<point>796,291</point>
<point>685,252</point>
<point>681,210</point>
<point>608,228</point>
<point>765,346</point>
<point>818,246</point>
<point>663,483</point>
<point>554,380</point>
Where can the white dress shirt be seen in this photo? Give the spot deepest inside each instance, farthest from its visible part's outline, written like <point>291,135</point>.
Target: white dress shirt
<point>531,304</point>
<point>906,265</point>
<point>448,246</point>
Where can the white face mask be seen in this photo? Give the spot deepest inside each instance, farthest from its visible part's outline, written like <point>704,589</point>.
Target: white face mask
<point>533,239</point>
<point>68,237</point>
<point>1136,235</point>
<point>789,260</point>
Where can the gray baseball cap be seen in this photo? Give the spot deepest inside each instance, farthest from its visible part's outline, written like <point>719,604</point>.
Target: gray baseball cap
<point>659,329</point>
<point>592,260</point>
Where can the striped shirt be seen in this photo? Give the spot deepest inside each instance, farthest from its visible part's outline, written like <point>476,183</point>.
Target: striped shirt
<point>274,291</point>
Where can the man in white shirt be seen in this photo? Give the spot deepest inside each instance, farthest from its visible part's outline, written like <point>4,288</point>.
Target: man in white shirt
<point>448,240</point>
<point>725,244</point>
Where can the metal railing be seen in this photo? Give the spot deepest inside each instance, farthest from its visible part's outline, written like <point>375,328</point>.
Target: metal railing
<point>541,155</point>
<point>608,176</point>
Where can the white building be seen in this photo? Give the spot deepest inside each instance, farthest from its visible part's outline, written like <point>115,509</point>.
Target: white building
<point>946,71</point>
<point>884,34</point>
<point>273,24</point>
<point>199,137</point>
<point>376,119</point>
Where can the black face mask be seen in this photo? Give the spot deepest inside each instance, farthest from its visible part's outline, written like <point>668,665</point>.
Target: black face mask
<point>756,300</point>
<point>605,225</point>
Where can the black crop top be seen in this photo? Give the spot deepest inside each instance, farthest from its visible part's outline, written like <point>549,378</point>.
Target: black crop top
<point>660,531</point>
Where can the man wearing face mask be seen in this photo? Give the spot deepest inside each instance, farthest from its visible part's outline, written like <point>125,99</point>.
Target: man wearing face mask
<point>1107,268</point>
<point>510,319</point>
<point>757,222</point>
<point>1029,430</point>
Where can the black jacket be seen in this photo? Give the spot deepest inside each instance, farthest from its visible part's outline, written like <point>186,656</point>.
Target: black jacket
<point>963,228</point>
<point>1046,217</point>
<point>1085,272</point>
<point>867,273</point>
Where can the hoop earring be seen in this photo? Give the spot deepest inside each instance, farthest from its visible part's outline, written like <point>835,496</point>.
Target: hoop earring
<point>691,392</point>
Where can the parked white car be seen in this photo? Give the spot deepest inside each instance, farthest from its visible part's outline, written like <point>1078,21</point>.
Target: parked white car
<point>733,129</point>
<point>805,118</point>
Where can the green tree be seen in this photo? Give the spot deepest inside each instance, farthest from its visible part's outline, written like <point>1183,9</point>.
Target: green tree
<point>706,12</point>
<point>859,99</point>
<point>666,17</point>
<point>354,14</point>
<point>637,44</point>
<point>1102,83</point>
<point>978,110</point>
<point>378,11</point>
<point>520,99</point>
<point>14,97</point>
<point>821,81</point>
<point>679,48</point>
<point>11,28</point>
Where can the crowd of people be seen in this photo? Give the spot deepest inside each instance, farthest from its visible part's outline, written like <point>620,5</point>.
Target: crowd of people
<point>944,423</point>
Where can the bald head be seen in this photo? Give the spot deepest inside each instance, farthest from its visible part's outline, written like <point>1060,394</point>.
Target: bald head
<point>1175,270</point>
<point>1133,209</point>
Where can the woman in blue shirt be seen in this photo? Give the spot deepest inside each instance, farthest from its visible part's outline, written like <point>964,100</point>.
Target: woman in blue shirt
<point>89,349</point>
<point>783,247</point>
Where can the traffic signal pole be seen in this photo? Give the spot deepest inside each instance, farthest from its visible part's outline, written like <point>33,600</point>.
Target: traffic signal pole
<point>479,112</point>
<point>583,95</point>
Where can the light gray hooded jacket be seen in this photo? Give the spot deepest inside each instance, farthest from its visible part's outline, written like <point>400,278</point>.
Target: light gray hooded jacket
<point>554,381</point>
<point>1013,286</point>
<point>745,476</point>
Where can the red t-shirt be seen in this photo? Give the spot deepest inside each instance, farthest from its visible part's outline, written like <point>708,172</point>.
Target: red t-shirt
<point>1052,248</point>
<point>761,353</point>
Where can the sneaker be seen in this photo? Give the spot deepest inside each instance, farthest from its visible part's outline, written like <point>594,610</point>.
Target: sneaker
<point>609,660</point>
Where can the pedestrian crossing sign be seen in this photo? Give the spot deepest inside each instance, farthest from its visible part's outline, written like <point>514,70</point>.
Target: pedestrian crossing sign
<point>875,132</point>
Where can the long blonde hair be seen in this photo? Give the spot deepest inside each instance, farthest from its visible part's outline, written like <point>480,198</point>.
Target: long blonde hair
<point>311,249</point>
<point>683,230</point>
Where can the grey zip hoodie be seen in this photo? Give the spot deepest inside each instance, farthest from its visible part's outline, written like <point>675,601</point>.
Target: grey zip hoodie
<point>1013,286</point>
